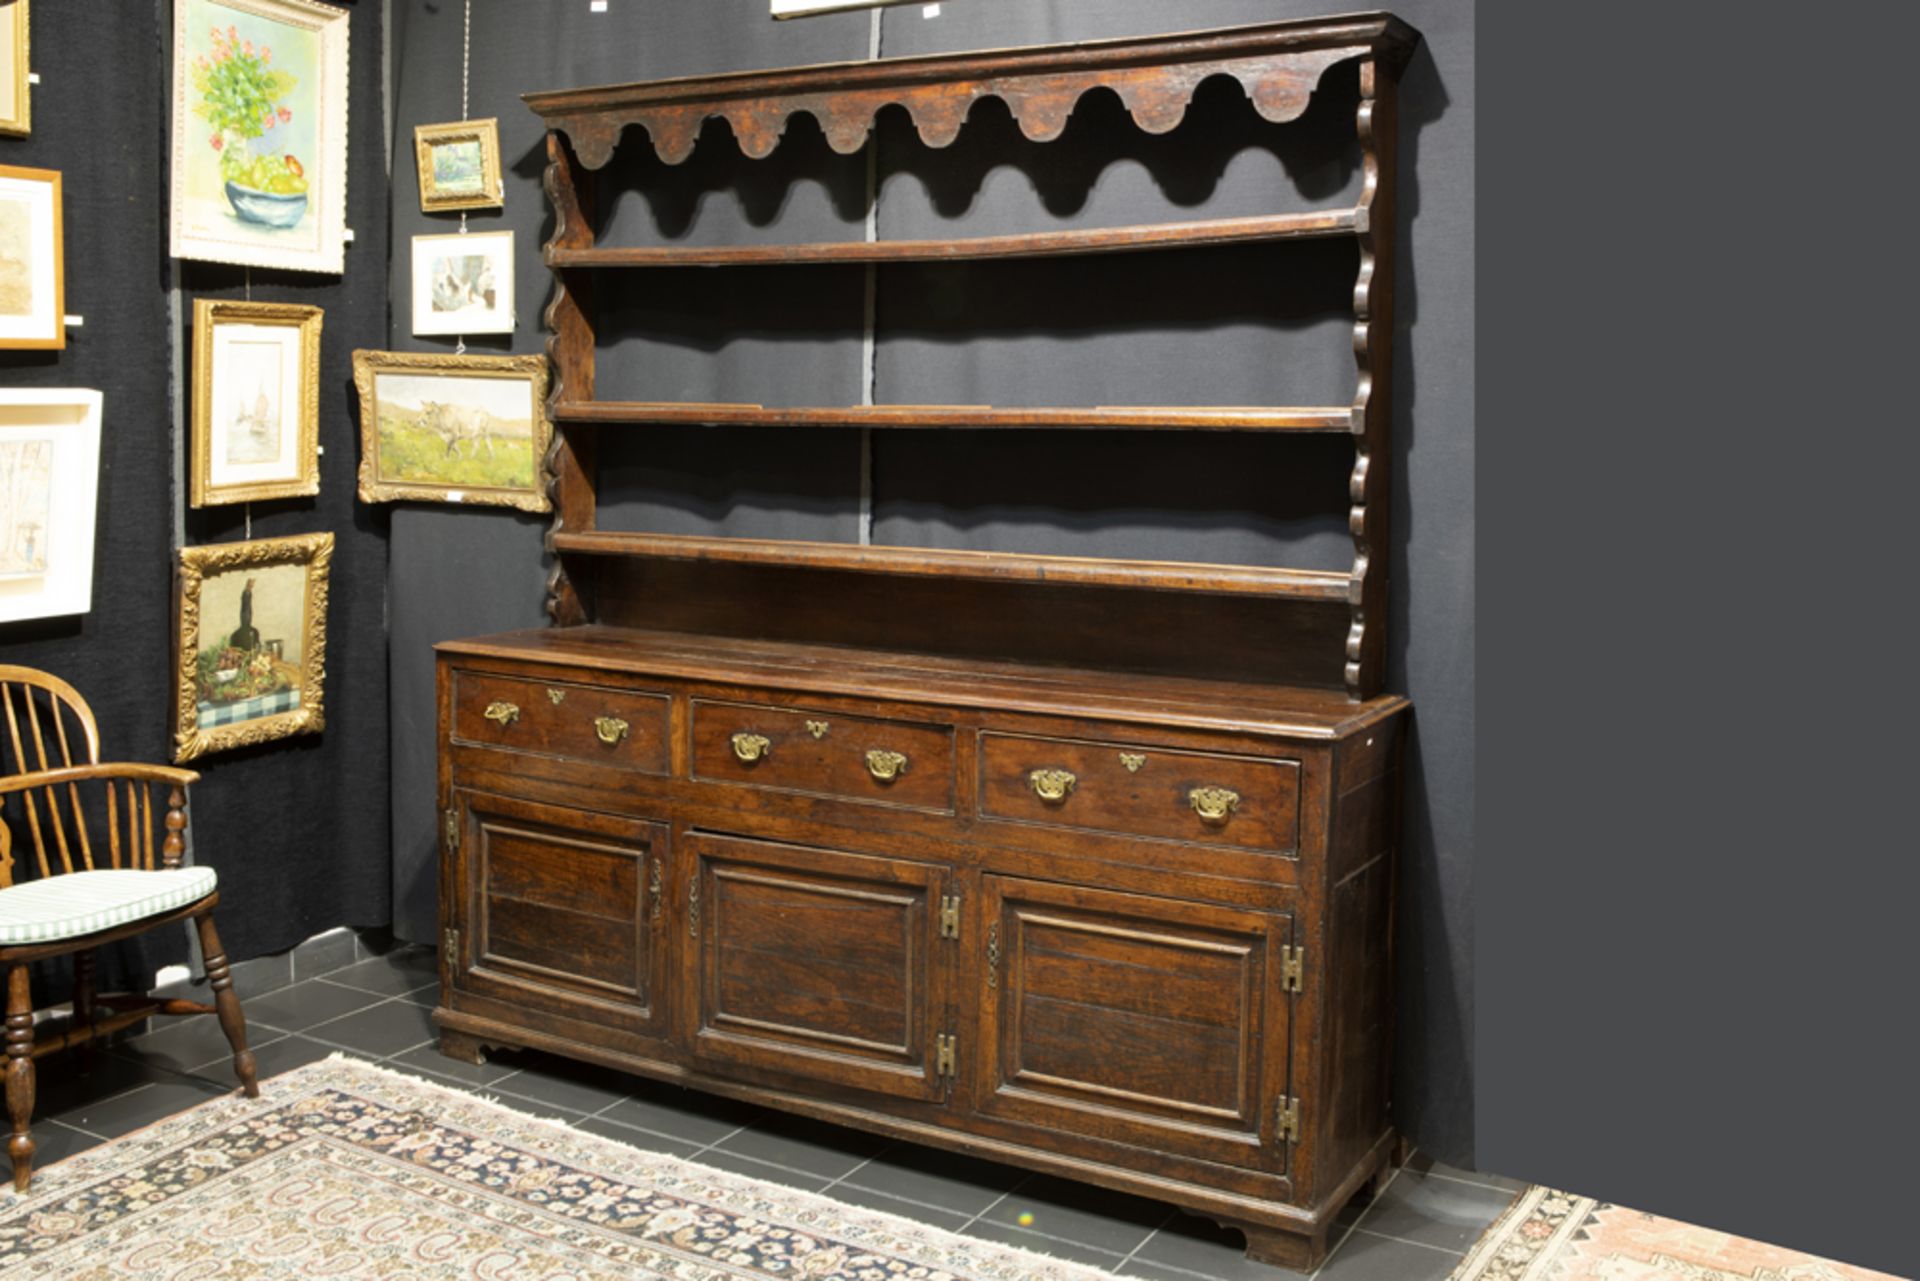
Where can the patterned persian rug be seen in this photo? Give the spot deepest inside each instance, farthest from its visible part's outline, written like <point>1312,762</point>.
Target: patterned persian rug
<point>341,1169</point>
<point>1551,1236</point>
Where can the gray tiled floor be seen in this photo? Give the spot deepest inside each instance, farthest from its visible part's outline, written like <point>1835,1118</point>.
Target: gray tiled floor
<point>378,1009</point>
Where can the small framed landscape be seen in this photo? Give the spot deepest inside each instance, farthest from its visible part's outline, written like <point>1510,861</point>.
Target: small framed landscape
<point>459,165</point>
<point>463,283</point>
<point>260,133</point>
<point>16,101</point>
<point>33,271</point>
<point>251,643</point>
<point>256,401</point>
<point>453,429</point>
<point>49,489</point>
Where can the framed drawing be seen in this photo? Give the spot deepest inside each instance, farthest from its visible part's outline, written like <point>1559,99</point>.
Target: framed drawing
<point>459,165</point>
<point>256,401</point>
<point>806,8</point>
<point>463,283</point>
<point>49,486</point>
<point>33,270</point>
<point>260,133</point>
<point>251,645</point>
<point>453,429</point>
<point>16,101</point>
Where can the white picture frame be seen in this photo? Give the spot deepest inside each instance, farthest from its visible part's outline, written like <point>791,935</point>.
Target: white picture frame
<point>49,498</point>
<point>266,189</point>
<point>463,283</point>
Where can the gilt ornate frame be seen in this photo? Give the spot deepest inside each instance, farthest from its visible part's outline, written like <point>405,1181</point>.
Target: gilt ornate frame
<point>369,365</point>
<point>16,29</point>
<point>492,194</point>
<point>208,314</point>
<point>315,552</point>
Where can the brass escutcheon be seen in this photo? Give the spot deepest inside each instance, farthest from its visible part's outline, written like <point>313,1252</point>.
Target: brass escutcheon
<point>1052,785</point>
<point>751,747</point>
<point>1133,761</point>
<point>503,714</point>
<point>817,728</point>
<point>556,696</point>
<point>886,766</point>
<point>1214,804</point>
<point>611,729</point>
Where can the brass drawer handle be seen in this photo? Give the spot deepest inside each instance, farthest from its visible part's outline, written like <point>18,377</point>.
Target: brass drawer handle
<point>886,766</point>
<point>1052,785</point>
<point>611,729</point>
<point>1214,804</point>
<point>503,714</point>
<point>751,747</point>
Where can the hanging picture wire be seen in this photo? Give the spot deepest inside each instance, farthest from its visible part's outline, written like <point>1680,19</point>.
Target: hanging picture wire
<point>466,72</point>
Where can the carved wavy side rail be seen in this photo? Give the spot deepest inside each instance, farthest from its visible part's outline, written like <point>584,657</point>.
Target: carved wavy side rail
<point>1278,65</point>
<point>1368,491</point>
<point>568,318</point>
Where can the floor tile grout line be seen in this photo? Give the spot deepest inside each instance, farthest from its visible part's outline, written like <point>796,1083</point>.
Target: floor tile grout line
<point>997,1201</point>
<point>1474,1183</point>
<point>1141,1244</point>
<point>1424,1245</point>
<point>855,1170</point>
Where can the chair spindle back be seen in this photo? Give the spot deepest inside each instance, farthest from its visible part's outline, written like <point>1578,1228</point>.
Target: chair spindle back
<point>46,725</point>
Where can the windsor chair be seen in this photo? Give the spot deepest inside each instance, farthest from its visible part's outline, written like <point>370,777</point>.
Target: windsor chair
<point>95,874</point>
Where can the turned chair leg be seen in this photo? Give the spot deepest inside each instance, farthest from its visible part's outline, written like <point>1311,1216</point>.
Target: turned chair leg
<point>20,1074</point>
<point>83,1006</point>
<point>226,1003</point>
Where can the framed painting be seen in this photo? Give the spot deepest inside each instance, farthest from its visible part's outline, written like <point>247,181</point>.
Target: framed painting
<point>453,429</point>
<point>16,93</point>
<point>49,488</point>
<point>251,643</point>
<point>260,133</point>
<point>459,165</point>
<point>463,283</point>
<point>256,401</point>
<point>33,269</point>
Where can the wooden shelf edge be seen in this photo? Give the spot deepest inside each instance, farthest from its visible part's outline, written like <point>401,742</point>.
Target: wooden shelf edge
<point>1178,576</point>
<point>1312,418</point>
<point>1203,233</point>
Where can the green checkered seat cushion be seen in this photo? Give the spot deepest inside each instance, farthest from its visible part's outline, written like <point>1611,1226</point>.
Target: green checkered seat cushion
<point>65,907</point>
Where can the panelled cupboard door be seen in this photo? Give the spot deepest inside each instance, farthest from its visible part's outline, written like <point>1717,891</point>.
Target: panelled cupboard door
<point>564,911</point>
<point>1150,1021</point>
<point>818,963</point>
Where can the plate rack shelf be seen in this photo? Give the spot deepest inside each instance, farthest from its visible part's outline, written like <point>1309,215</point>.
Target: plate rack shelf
<point>1278,65</point>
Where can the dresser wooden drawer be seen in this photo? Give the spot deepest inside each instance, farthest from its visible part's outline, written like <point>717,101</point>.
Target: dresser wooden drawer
<point>1248,802</point>
<point>882,762</point>
<point>557,718</point>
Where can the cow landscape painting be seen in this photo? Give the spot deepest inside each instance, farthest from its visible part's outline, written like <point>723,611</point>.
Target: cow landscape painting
<point>460,429</point>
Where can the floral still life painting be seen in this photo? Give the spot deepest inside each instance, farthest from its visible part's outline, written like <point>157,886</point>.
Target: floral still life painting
<point>252,642</point>
<point>260,110</point>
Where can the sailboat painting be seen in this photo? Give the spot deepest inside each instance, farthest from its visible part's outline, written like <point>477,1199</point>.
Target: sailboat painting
<point>256,401</point>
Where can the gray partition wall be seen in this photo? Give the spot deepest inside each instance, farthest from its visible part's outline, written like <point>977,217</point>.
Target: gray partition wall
<point>1269,324</point>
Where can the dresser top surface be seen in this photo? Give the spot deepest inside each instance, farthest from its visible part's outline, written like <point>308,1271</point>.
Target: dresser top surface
<point>923,678</point>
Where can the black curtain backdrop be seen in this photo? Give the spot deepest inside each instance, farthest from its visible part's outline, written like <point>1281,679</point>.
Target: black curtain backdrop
<point>1205,327</point>
<point>297,829</point>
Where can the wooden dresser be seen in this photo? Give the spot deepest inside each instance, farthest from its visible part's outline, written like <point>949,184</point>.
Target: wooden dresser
<point>1081,864</point>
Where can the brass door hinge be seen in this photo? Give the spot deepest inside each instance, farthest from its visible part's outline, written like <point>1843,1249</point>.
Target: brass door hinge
<point>1293,964</point>
<point>450,942</point>
<point>950,917</point>
<point>1287,1112</point>
<point>944,1047</point>
<point>452,821</point>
